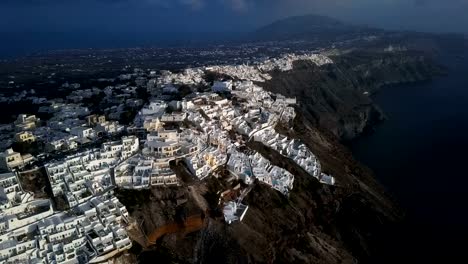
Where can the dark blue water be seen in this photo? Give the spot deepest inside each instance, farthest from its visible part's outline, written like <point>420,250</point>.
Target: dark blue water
<point>421,155</point>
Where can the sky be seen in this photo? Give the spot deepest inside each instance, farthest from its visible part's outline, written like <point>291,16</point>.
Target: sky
<point>31,22</point>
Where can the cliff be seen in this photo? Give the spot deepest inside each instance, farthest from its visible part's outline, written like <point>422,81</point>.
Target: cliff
<point>317,223</point>
<point>336,97</point>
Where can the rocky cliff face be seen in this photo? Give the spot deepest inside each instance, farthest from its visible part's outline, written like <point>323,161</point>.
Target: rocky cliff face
<point>316,223</point>
<point>336,97</point>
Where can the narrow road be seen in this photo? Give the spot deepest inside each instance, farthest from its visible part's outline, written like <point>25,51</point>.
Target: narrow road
<point>191,224</point>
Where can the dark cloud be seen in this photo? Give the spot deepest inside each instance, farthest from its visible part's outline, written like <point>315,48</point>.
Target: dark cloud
<point>28,25</point>
<point>225,15</point>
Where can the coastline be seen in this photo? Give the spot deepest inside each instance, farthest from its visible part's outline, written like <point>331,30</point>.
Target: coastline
<point>429,150</point>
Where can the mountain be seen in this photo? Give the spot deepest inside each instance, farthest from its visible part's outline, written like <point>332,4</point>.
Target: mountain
<point>307,27</point>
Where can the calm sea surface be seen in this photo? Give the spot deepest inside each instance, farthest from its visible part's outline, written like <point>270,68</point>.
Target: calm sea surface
<point>420,154</point>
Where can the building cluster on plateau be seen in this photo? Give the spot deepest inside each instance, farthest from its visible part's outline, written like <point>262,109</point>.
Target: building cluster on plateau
<point>207,131</point>
<point>211,129</point>
<point>31,231</point>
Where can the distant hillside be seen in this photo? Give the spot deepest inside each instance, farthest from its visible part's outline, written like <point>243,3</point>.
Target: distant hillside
<point>307,27</point>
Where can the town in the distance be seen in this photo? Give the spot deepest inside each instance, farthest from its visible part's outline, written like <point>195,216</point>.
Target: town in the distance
<point>60,174</point>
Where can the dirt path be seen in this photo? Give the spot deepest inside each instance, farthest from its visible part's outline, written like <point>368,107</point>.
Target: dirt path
<point>191,224</point>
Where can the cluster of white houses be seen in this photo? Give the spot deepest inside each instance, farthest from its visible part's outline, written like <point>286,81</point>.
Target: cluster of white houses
<point>206,131</point>
<point>295,150</point>
<point>32,232</point>
<point>258,72</point>
<point>94,227</point>
<point>70,125</point>
<point>80,176</point>
<point>216,130</point>
<point>254,115</point>
<point>208,143</point>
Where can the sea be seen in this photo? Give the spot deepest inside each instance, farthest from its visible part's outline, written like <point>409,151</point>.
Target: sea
<point>420,155</point>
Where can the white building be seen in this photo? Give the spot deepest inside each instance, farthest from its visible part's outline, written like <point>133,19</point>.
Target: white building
<point>26,122</point>
<point>109,127</point>
<point>173,117</point>
<point>155,108</point>
<point>9,159</point>
<point>224,86</point>
<point>25,136</point>
<point>234,211</point>
<point>9,187</point>
<point>82,132</point>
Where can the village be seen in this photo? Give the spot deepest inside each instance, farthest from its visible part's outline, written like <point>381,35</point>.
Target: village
<point>86,154</point>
